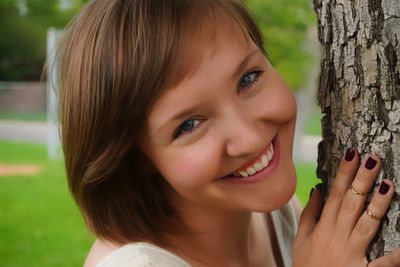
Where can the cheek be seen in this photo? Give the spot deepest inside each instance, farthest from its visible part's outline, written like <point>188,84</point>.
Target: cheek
<point>277,102</point>
<point>189,169</point>
<point>282,105</point>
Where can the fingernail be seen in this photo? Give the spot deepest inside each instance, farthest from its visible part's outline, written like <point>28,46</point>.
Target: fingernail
<point>350,154</point>
<point>312,190</point>
<point>370,164</point>
<point>384,188</point>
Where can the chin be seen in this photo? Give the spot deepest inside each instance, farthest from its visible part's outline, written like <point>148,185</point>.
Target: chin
<point>282,194</point>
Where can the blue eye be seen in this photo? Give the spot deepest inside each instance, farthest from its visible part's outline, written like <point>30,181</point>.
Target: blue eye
<point>187,127</point>
<point>248,79</point>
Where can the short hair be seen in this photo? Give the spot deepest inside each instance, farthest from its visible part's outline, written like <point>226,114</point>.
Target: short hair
<point>116,59</point>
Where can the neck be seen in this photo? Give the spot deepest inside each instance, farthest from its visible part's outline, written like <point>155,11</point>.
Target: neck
<point>218,238</point>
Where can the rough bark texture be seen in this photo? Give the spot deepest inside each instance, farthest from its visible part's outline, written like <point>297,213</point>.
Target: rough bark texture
<point>359,94</point>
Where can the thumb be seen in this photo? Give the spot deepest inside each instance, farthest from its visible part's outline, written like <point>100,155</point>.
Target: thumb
<point>393,259</point>
<point>310,215</point>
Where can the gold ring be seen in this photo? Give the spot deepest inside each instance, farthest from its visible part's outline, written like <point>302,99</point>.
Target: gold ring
<point>372,215</point>
<point>357,192</point>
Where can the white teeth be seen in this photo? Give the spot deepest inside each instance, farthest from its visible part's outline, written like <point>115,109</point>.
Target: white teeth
<point>243,173</point>
<point>269,154</point>
<point>250,170</point>
<point>264,160</point>
<point>258,166</point>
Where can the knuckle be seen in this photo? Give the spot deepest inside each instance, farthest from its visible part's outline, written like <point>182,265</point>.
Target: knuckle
<point>350,207</point>
<point>347,166</point>
<point>363,228</point>
<point>365,176</point>
<point>379,205</point>
<point>337,193</point>
<point>344,170</point>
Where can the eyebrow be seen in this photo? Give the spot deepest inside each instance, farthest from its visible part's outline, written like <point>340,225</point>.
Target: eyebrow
<point>184,113</point>
<point>244,62</point>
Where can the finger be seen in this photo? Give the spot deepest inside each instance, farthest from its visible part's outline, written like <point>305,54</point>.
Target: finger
<point>344,177</point>
<point>391,260</point>
<point>368,224</point>
<point>354,201</point>
<point>309,216</point>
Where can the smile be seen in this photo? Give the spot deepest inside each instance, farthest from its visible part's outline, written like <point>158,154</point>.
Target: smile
<point>259,164</point>
<point>259,168</point>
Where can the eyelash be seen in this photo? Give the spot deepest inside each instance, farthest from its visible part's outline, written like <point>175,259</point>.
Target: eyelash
<point>256,74</point>
<point>179,130</point>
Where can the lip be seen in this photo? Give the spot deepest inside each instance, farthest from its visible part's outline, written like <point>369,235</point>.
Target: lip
<point>257,177</point>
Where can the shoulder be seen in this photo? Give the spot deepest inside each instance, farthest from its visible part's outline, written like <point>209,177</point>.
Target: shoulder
<point>99,250</point>
<point>285,222</point>
<point>134,254</point>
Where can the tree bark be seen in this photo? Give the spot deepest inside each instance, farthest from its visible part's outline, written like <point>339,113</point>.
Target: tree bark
<point>359,95</point>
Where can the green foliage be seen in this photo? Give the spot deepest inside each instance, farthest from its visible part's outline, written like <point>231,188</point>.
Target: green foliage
<point>284,24</point>
<point>306,179</point>
<point>22,50</point>
<point>313,123</point>
<point>23,37</point>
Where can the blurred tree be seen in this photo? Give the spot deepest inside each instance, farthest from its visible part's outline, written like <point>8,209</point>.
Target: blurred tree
<point>284,24</point>
<point>23,37</point>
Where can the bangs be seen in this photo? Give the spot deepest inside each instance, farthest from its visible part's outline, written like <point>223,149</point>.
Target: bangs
<point>201,27</point>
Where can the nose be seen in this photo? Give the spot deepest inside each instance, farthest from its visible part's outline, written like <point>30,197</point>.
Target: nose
<point>244,135</point>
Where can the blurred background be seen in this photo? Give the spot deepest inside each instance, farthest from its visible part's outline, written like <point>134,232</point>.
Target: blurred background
<point>39,222</point>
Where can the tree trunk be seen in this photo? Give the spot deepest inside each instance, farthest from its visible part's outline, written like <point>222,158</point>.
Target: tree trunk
<point>359,95</point>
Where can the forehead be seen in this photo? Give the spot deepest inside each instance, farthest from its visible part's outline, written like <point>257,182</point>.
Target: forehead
<point>200,37</point>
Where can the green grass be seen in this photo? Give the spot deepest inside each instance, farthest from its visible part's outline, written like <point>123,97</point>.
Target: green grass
<point>39,222</point>
<point>23,116</point>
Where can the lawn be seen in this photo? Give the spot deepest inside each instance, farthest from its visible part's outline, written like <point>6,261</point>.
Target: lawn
<point>24,116</point>
<point>40,224</point>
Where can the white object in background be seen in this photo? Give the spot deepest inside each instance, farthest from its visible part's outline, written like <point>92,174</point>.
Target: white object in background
<point>53,136</point>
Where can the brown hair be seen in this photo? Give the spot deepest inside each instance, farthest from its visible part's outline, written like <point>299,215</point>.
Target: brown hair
<point>116,59</point>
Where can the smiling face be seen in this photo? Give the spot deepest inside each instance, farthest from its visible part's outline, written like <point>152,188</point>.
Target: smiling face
<point>222,136</point>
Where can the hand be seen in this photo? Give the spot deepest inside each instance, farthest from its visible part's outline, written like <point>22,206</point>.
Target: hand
<point>341,235</point>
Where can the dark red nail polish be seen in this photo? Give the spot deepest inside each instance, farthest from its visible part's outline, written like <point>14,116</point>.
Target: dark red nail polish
<point>349,154</point>
<point>384,188</point>
<point>370,164</point>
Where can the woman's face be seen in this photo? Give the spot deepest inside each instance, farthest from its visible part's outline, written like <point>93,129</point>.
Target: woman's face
<point>222,137</point>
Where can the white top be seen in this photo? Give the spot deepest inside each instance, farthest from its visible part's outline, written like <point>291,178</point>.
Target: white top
<point>143,254</point>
